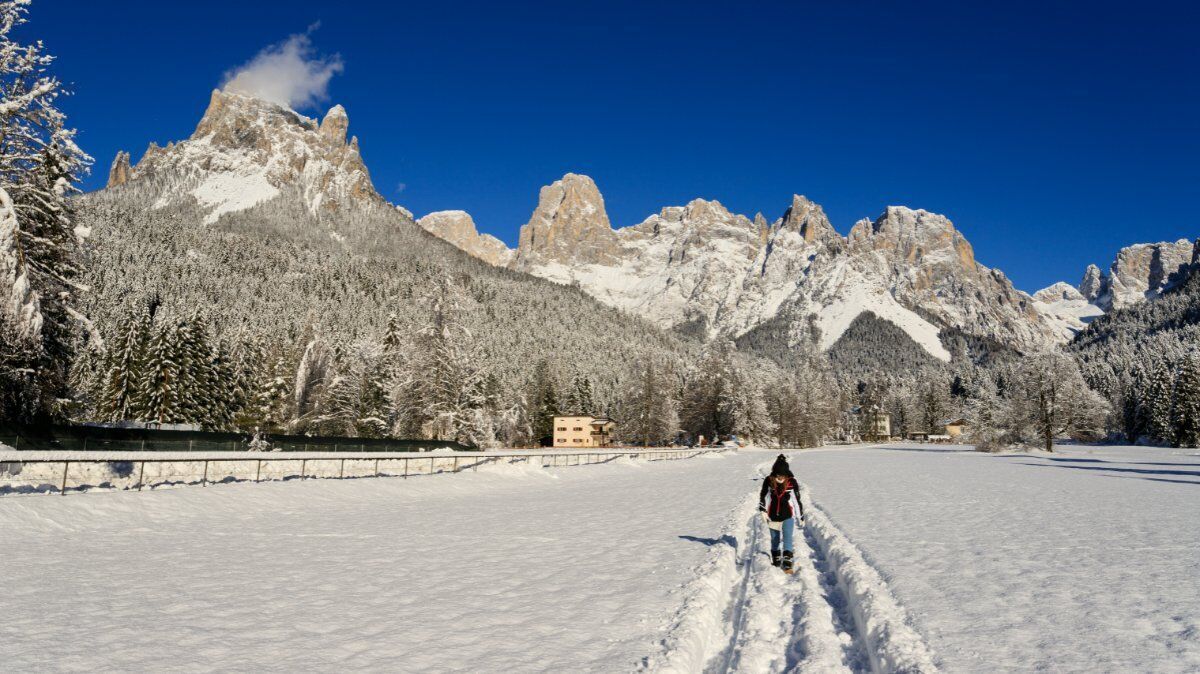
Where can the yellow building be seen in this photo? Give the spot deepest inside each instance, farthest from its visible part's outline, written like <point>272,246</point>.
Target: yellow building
<point>955,427</point>
<point>582,432</point>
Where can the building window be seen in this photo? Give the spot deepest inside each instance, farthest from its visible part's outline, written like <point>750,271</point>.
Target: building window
<point>575,429</point>
<point>562,428</point>
<point>562,439</point>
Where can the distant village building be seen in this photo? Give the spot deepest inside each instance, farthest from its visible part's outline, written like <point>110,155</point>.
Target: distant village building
<point>874,425</point>
<point>954,427</point>
<point>582,431</point>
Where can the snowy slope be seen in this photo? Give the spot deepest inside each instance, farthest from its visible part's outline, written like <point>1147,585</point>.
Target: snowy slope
<point>1081,561</point>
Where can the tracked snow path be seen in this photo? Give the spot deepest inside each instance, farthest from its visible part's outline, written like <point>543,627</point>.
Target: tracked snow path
<point>835,614</point>
<point>569,570</point>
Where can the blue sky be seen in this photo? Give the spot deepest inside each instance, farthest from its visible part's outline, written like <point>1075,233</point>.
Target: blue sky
<point>1051,133</point>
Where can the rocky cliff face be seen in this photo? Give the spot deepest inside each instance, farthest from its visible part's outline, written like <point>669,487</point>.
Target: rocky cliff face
<point>1140,272</point>
<point>1143,271</point>
<point>569,226</point>
<point>458,228</point>
<point>700,268</point>
<point>246,150</point>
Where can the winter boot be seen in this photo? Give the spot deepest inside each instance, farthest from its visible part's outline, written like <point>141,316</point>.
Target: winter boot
<point>775,558</point>
<point>787,561</point>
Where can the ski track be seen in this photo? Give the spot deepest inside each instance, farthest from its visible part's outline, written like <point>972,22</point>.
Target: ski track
<point>834,614</point>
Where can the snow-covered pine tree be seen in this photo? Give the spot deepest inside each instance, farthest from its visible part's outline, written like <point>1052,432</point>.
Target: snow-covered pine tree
<point>543,402</point>
<point>650,415</point>
<point>1158,403</point>
<point>202,396</point>
<point>272,399</point>
<point>39,166</point>
<point>161,398</point>
<point>1187,402</point>
<point>747,411</point>
<point>985,416</point>
<point>123,370</point>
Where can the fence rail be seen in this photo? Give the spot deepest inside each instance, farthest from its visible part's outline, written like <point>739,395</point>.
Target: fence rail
<point>108,439</point>
<point>74,474</point>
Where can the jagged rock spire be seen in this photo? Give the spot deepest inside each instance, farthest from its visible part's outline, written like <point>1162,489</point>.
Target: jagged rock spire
<point>568,225</point>
<point>120,172</point>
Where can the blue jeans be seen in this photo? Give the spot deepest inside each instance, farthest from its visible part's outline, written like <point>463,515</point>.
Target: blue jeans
<point>789,527</point>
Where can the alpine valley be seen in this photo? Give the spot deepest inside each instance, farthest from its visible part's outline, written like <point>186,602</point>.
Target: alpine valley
<point>265,227</point>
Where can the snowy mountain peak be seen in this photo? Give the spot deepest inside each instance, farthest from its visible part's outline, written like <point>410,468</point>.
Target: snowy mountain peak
<point>1091,286</point>
<point>809,220</point>
<point>1058,292</point>
<point>335,125</point>
<point>246,150</point>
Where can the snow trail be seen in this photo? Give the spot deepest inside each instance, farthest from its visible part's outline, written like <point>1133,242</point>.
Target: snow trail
<point>835,614</point>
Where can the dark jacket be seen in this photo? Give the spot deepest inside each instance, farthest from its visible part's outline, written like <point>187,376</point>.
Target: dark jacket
<point>780,501</point>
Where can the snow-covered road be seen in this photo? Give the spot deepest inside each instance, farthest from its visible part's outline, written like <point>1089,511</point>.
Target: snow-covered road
<point>1087,560</point>
<point>574,569</point>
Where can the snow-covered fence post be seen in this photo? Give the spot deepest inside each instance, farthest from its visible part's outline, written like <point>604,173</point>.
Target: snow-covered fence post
<point>406,469</point>
<point>342,470</point>
<point>303,466</point>
<point>204,478</point>
<point>63,489</point>
<point>431,465</point>
<point>141,475</point>
<point>258,471</point>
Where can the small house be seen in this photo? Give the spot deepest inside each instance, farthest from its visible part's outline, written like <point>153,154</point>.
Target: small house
<point>954,427</point>
<point>582,432</point>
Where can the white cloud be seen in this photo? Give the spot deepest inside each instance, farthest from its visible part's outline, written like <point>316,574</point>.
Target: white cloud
<point>400,187</point>
<point>289,73</point>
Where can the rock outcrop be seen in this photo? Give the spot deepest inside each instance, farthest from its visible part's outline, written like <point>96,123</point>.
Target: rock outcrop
<point>458,228</point>
<point>120,171</point>
<point>569,226</point>
<point>1139,272</point>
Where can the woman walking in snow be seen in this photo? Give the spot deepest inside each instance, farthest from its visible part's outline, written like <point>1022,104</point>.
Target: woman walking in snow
<point>779,503</point>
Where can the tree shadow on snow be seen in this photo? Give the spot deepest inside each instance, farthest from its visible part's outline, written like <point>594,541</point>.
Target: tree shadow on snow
<point>724,540</point>
<point>1065,459</point>
<point>1137,471</point>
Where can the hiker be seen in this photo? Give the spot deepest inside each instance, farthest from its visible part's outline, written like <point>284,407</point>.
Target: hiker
<point>779,503</point>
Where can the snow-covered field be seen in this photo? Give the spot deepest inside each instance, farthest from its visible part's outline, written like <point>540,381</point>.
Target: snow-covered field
<point>914,558</point>
<point>573,569</point>
<point>1086,560</point>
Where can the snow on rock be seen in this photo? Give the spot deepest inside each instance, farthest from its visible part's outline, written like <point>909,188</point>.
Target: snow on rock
<point>245,150</point>
<point>230,192</point>
<point>701,267</point>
